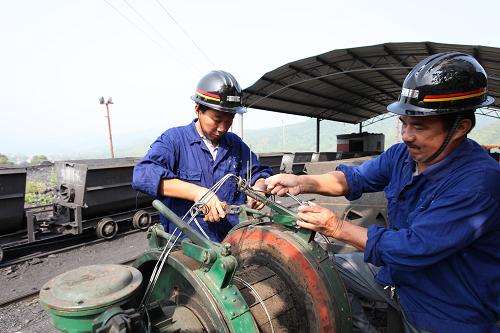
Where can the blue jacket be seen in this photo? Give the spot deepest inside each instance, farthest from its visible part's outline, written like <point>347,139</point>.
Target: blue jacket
<point>180,153</point>
<point>442,248</point>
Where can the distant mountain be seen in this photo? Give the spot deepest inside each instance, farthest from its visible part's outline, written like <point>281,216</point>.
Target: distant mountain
<point>296,137</point>
<point>302,136</point>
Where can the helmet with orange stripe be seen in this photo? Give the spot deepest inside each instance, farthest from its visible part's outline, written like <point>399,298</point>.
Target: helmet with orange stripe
<point>450,85</point>
<point>443,83</point>
<point>219,90</point>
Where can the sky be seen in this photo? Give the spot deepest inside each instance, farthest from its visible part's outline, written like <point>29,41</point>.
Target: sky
<point>59,56</point>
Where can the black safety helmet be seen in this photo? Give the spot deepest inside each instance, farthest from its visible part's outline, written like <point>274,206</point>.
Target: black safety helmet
<point>220,91</point>
<point>443,83</point>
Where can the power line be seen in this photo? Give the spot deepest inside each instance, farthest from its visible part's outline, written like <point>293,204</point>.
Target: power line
<point>185,33</point>
<point>149,36</point>
<point>149,24</point>
<point>133,23</point>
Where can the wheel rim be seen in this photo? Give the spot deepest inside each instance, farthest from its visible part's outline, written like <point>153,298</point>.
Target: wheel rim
<point>107,229</point>
<point>141,220</point>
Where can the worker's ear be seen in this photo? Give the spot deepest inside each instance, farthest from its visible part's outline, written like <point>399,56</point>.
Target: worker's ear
<point>463,128</point>
<point>197,110</point>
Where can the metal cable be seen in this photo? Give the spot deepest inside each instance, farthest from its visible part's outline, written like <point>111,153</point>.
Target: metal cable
<point>166,251</point>
<point>172,49</point>
<point>133,23</point>
<point>261,301</point>
<point>185,33</point>
<point>327,75</point>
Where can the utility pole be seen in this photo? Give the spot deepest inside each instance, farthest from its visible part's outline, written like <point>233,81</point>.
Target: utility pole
<point>107,103</point>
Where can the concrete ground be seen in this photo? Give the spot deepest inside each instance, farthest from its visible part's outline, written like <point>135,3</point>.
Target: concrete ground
<point>16,280</point>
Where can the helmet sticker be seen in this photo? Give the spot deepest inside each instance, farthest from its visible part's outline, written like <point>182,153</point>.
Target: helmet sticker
<point>233,98</point>
<point>412,93</point>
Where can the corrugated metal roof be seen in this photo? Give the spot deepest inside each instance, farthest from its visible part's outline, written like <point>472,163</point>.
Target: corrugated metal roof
<point>356,84</point>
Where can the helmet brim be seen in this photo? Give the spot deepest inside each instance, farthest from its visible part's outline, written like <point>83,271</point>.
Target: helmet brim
<point>236,110</point>
<point>406,109</point>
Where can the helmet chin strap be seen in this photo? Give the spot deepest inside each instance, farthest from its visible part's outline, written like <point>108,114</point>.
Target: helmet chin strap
<point>446,141</point>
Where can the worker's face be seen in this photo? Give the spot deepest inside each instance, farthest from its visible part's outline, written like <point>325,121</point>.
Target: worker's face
<point>214,123</point>
<point>423,136</point>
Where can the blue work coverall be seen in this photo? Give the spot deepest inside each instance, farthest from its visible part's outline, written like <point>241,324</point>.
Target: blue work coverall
<point>442,248</point>
<point>180,153</point>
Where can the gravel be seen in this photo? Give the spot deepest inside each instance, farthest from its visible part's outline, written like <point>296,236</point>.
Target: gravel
<point>16,280</point>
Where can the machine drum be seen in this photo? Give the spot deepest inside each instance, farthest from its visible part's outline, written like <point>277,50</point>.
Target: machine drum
<point>270,296</point>
<point>289,279</point>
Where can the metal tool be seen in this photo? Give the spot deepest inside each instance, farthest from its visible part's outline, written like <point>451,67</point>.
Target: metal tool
<point>300,202</point>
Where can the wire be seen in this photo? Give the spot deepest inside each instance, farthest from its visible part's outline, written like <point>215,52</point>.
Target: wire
<point>149,24</point>
<point>323,76</point>
<point>133,23</point>
<point>166,251</point>
<point>185,33</point>
<point>261,301</point>
<point>171,50</point>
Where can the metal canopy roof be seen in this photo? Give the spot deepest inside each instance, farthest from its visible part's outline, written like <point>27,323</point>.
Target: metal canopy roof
<point>356,84</point>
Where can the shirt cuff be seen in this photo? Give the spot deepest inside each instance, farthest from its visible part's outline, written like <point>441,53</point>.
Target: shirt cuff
<point>353,182</point>
<point>148,179</point>
<point>261,174</point>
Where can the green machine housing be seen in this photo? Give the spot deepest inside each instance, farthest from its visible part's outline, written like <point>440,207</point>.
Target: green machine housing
<point>268,275</point>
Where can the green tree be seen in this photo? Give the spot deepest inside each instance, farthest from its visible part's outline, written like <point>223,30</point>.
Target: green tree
<point>37,159</point>
<point>4,159</point>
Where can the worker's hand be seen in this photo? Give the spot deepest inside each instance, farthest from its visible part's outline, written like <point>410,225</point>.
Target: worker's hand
<point>215,208</point>
<point>259,186</point>
<point>282,184</point>
<point>319,219</point>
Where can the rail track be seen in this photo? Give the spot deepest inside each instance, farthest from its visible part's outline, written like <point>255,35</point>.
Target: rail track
<point>71,242</point>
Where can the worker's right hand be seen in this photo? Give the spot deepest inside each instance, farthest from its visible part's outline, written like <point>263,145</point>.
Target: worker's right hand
<point>214,206</point>
<point>282,184</point>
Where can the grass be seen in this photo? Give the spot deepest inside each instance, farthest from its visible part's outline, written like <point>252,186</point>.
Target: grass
<point>38,193</point>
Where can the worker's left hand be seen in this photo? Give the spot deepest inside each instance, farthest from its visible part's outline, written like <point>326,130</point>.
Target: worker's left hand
<point>259,186</point>
<point>319,219</point>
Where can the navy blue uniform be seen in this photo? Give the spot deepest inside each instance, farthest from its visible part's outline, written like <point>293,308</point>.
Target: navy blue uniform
<point>442,249</point>
<point>180,153</point>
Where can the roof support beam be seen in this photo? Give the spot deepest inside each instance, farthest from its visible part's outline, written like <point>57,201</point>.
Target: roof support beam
<point>306,91</point>
<point>355,77</point>
<point>314,105</point>
<point>395,56</point>
<point>306,72</point>
<point>314,116</point>
<point>366,63</point>
<point>430,48</point>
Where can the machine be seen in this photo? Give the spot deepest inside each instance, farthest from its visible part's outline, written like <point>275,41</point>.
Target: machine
<point>268,275</point>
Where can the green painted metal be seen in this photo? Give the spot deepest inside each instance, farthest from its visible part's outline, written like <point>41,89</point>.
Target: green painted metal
<point>198,253</point>
<point>77,299</point>
<point>216,272</point>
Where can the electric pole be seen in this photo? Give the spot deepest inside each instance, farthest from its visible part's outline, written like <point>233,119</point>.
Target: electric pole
<point>107,103</point>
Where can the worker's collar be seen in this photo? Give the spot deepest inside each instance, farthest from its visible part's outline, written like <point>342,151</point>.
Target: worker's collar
<point>195,137</point>
<point>441,168</point>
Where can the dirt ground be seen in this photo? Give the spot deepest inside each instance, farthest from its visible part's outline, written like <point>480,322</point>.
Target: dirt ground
<point>28,316</point>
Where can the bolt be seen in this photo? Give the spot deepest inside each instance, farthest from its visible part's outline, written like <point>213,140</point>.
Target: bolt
<point>79,302</point>
<point>232,313</point>
<point>46,288</point>
<point>234,292</point>
<point>234,300</point>
<point>224,297</point>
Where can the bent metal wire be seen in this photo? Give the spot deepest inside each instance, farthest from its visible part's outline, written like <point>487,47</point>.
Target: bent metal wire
<point>195,209</point>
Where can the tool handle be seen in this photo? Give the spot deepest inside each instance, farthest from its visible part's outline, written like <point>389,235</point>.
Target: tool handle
<point>193,235</point>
